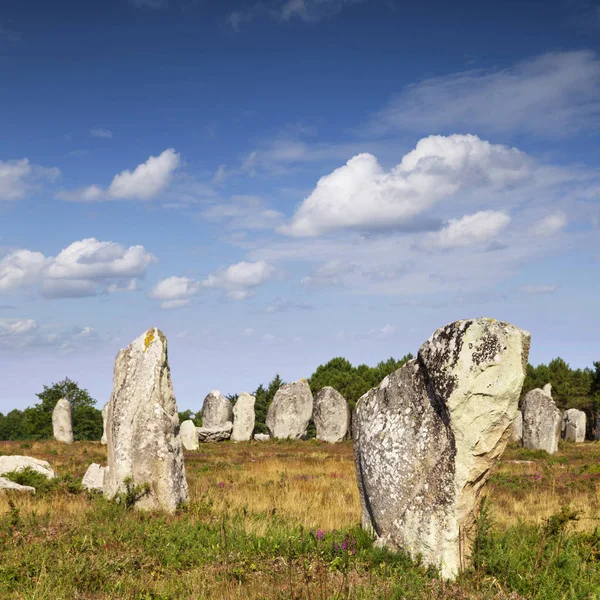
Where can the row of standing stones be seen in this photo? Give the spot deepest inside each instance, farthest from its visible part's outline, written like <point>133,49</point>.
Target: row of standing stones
<point>539,425</point>
<point>425,440</point>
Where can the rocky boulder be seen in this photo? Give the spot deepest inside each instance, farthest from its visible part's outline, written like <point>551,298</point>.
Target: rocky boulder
<point>93,479</point>
<point>216,410</point>
<point>144,445</point>
<point>18,463</point>
<point>243,418</point>
<point>11,486</point>
<point>516,432</point>
<point>427,438</point>
<point>262,437</point>
<point>574,425</point>
<point>104,418</point>
<point>542,422</point>
<point>291,411</point>
<point>62,421</point>
<point>189,435</point>
<point>331,415</point>
<point>215,434</point>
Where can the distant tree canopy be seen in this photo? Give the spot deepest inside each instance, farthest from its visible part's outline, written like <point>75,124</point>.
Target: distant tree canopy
<point>36,422</point>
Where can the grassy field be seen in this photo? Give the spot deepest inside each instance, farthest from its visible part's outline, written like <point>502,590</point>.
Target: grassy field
<point>280,520</point>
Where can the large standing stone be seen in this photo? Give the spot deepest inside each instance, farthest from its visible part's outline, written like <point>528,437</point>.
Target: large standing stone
<point>516,432</point>
<point>62,421</point>
<point>18,463</point>
<point>104,419</point>
<point>94,478</point>
<point>215,434</point>
<point>290,411</point>
<point>427,438</point>
<point>331,415</point>
<point>189,435</point>
<point>144,446</point>
<point>216,410</point>
<point>574,424</point>
<point>243,418</point>
<point>542,422</point>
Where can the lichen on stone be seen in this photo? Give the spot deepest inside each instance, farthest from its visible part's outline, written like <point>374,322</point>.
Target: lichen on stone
<point>148,339</point>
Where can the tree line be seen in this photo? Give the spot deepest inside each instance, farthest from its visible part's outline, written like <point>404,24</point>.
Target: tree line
<point>571,388</point>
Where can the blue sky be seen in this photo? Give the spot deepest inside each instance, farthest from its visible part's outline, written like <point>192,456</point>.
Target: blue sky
<point>277,183</point>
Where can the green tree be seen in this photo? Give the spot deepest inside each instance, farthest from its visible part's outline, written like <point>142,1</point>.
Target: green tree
<point>11,427</point>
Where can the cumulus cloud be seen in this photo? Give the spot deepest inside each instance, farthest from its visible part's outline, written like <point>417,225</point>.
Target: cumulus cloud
<point>362,195</point>
<point>479,228</point>
<point>145,182</point>
<point>16,327</point>
<point>18,178</point>
<point>553,94</point>
<point>175,292</point>
<point>101,133</point>
<point>84,268</point>
<point>240,280</point>
<point>549,225</point>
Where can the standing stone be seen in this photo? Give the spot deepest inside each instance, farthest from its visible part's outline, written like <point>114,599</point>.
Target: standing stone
<point>189,435</point>
<point>94,478</point>
<point>62,421</point>
<point>516,433</point>
<point>216,410</point>
<point>547,389</point>
<point>426,439</point>
<point>542,422</point>
<point>574,424</point>
<point>104,418</point>
<point>243,418</point>
<point>144,446</point>
<point>290,411</point>
<point>331,415</point>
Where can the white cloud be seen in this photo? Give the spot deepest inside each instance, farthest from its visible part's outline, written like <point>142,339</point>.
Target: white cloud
<point>15,327</point>
<point>538,289</point>
<point>18,178</point>
<point>84,268</point>
<point>248,332</point>
<point>385,331</point>
<point>175,292</point>
<point>362,195</point>
<point>241,279</point>
<point>243,212</point>
<point>145,182</point>
<point>101,133</point>
<point>127,286</point>
<point>553,94</point>
<point>549,225</point>
<point>478,228</point>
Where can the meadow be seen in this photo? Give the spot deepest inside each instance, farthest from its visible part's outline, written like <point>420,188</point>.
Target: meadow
<point>277,520</point>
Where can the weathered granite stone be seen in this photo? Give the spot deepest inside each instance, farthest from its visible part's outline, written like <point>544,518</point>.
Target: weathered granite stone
<point>62,421</point>
<point>290,411</point>
<point>215,434</point>
<point>18,463</point>
<point>574,425</point>
<point>262,437</point>
<point>542,422</point>
<point>331,415</point>
<point>427,438</point>
<point>216,410</point>
<point>547,389</point>
<point>243,418</point>
<point>104,418</point>
<point>144,446</point>
<point>11,486</point>
<point>189,435</point>
<point>516,432</point>
<point>94,478</point>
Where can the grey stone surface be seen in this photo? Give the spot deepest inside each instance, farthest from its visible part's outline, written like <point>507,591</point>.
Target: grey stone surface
<point>11,486</point>
<point>331,415</point>
<point>143,438</point>
<point>542,422</point>
<point>94,478</point>
<point>574,425</point>
<point>189,435</point>
<point>290,411</point>
<point>516,432</point>
<point>427,438</point>
<point>243,418</point>
<point>262,437</point>
<point>62,421</point>
<point>104,418</point>
<point>216,410</point>
<point>215,434</point>
<point>18,463</point>
<point>547,389</point>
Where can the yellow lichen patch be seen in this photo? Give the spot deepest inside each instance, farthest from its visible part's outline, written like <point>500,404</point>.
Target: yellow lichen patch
<point>149,338</point>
